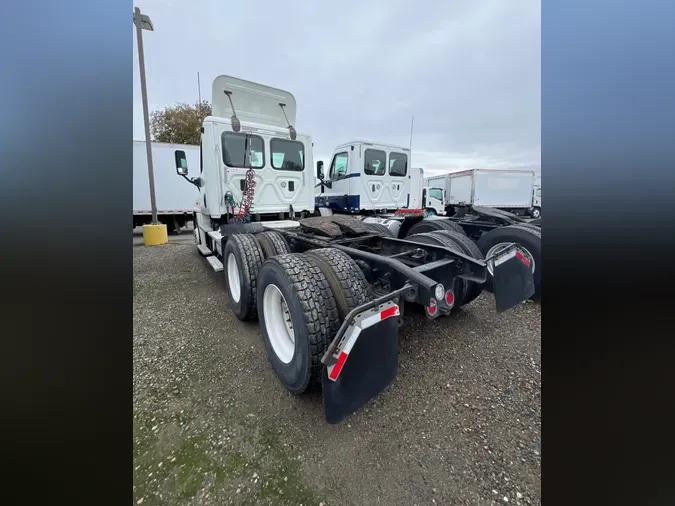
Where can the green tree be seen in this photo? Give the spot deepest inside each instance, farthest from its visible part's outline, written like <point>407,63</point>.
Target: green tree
<point>180,123</point>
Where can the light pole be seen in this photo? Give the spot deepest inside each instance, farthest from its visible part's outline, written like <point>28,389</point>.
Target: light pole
<point>143,22</point>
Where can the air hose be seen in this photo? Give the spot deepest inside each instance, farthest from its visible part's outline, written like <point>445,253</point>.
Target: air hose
<point>243,216</point>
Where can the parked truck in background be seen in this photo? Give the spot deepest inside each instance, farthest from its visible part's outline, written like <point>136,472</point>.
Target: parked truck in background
<point>535,211</point>
<point>416,188</point>
<point>365,177</point>
<point>488,206</point>
<point>433,200</point>
<point>508,190</point>
<point>175,200</point>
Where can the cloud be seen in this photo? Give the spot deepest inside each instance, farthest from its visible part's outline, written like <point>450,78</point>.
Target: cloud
<point>468,70</point>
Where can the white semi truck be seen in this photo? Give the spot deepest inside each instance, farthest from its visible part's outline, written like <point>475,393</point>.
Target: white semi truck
<point>366,177</point>
<point>328,291</point>
<point>175,200</point>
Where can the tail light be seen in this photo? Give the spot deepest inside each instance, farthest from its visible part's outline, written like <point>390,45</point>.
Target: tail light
<point>432,308</point>
<point>450,298</point>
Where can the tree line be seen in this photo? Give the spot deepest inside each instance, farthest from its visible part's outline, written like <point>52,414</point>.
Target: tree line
<point>179,123</point>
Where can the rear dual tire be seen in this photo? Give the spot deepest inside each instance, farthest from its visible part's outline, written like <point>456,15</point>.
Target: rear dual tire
<point>272,243</point>
<point>314,291</point>
<point>465,291</point>
<point>242,260</point>
<point>528,239</point>
<point>468,247</point>
<point>425,226</point>
<point>379,229</point>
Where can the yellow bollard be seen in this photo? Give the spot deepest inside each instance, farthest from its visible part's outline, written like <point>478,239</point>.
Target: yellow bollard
<point>154,235</point>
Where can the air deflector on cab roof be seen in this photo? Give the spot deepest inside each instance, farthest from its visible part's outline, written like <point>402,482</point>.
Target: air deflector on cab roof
<point>254,103</point>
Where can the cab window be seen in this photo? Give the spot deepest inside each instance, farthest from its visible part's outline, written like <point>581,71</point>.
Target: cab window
<point>338,168</point>
<point>398,164</point>
<point>234,150</point>
<point>436,193</point>
<point>375,162</point>
<point>287,155</point>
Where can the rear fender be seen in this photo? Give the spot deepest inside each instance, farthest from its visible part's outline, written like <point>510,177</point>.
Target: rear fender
<point>363,363</point>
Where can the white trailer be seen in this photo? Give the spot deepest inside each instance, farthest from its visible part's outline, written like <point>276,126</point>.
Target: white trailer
<point>175,200</point>
<point>508,190</point>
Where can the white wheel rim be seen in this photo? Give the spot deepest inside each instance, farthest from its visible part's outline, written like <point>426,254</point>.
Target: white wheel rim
<point>497,248</point>
<point>278,324</point>
<point>233,277</point>
<point>536,213</point>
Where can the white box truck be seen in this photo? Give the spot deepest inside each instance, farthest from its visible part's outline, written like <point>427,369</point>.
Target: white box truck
<point>433,190</point>
<point>176,201</point>
<point>535,212</point>
<point>508,190</point>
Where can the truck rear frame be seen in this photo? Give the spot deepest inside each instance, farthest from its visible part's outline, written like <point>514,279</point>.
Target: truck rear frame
<point>397,272</point>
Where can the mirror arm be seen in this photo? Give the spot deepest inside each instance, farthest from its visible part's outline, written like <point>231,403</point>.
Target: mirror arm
<point>197,181</point>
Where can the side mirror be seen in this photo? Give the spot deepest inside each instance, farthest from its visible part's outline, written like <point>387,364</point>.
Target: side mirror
<point>319,169</point>
<point>181,162</point>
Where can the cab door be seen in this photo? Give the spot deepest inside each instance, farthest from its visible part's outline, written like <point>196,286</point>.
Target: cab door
<point>398,180</point>
<point>373,179</point>
<point>339,196</point>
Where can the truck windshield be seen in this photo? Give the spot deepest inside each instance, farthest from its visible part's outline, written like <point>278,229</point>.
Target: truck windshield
<point>234,150</point>
<point>287,155</point>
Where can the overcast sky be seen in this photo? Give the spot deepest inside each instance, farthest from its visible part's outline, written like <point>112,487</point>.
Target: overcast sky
<point>467,70</point>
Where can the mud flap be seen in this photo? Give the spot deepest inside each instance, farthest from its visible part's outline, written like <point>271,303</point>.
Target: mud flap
<point>513,279</point>
<point>372,366</point>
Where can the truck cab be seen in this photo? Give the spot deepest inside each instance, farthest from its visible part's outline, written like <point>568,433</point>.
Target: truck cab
<point>250,136</point>
<point>432,200</point>
<point>365,176</point>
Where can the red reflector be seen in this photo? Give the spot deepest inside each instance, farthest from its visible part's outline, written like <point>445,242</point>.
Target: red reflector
<point>392,311</point>
<point>449,298</point>
<point>338,366</point>
<point>432,307</point>
<point>522,258</point>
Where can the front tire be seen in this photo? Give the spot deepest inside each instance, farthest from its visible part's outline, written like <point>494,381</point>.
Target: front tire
<point>535,212</point>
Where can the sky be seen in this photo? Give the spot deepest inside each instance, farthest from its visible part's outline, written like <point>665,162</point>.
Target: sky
<point>467,70</point>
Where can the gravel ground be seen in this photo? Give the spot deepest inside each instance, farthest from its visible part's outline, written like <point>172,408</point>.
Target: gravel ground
<point>212,425</point>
